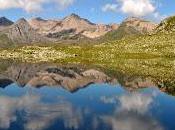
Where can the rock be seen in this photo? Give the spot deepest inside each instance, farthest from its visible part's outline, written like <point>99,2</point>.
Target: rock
<point>97,75</point>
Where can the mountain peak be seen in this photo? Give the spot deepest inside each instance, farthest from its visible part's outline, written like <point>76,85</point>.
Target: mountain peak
<point>129,19</point>
<point>5,22</point>
<point>22,20</point>
<point>73,16</point>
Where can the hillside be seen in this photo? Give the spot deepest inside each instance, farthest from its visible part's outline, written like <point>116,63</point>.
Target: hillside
<point>130,27</point>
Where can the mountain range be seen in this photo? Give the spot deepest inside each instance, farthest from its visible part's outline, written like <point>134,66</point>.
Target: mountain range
<point>72,27</point>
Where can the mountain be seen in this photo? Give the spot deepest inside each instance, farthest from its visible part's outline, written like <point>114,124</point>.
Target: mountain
<point>74,24</point>
<point>166,26</point>
<point>71,29</point>
<point>5,22</point>
<point>131,26</point>
<point>22,32</point>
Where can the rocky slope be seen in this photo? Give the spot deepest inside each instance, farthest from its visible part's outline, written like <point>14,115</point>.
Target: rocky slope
<point>22,32</point>
<point>131,26</point>
<point>166,26</point>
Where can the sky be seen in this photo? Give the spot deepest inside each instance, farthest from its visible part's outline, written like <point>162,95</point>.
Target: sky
<point>97,11</point>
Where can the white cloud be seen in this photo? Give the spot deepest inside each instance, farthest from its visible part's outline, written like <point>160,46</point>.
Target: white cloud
<point>137,7</point>
<point>33,5</point>
<point>110,7</point>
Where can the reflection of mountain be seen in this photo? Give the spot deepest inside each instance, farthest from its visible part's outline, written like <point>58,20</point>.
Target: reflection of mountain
<point>39,75</point>
<point>5,82</point>
<point>70,78</point>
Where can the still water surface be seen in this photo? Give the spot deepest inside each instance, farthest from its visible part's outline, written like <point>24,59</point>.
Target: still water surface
<point>96,107</point>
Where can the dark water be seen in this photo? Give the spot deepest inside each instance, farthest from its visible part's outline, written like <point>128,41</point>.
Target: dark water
<point>96,107</point>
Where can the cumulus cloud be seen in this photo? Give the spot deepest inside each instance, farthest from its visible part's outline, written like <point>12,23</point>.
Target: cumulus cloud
<point>137,7</point>
<point>110,7</point>
<point>33,5</point>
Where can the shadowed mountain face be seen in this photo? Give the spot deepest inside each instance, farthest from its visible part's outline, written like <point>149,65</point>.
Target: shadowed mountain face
<point>5,22</point>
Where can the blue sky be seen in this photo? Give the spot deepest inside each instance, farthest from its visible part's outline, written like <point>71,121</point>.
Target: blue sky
<point>97,11</point>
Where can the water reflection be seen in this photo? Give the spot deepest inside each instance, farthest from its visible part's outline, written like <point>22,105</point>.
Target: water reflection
<point>97,107</point>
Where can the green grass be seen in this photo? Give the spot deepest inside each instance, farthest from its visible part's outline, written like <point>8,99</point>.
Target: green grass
<point>145,56</point>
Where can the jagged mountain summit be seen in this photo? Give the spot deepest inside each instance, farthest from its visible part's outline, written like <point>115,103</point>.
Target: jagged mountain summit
<point>73,24</point>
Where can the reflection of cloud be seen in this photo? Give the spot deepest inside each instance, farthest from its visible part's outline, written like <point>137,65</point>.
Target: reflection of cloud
<point>132,114</point>
<point>131,102</point>
<point>108,100</point>
<point>132,121</point>
<point>135,102</point>
<point>38,115</point>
